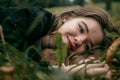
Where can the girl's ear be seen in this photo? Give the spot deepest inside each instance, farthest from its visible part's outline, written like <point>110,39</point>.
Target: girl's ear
<point>64,20</point>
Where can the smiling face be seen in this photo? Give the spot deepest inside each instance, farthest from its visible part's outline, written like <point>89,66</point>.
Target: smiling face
<point>81,34</point>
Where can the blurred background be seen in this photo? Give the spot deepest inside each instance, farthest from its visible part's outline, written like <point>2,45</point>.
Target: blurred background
<point>58,6</point>
<point>55,3</point>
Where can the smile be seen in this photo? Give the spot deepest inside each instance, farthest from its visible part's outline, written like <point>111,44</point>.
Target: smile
<point>69,43</point>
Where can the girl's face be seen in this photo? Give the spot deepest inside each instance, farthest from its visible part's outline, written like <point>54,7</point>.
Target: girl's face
<point>81,34</point>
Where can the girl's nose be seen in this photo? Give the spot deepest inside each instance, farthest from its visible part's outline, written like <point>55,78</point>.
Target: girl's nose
<point>80,39</point>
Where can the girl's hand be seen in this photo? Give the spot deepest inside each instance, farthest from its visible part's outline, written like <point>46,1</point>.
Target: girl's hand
<point>97,69</point>
<point>91,69</point>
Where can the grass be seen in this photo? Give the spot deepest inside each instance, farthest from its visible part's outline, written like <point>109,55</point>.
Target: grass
<point>58,10</point>
<point>115,12</point>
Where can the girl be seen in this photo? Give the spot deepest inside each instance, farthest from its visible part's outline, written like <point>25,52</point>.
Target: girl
<point>80,30</point>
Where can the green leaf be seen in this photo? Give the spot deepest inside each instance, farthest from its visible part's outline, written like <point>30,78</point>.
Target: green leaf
<point>61,50</point>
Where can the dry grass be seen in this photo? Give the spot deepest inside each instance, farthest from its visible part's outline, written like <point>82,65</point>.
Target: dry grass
<point>61,9</point>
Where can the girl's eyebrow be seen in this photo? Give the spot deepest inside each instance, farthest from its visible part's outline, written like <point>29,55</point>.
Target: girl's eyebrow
<point>86,27</point>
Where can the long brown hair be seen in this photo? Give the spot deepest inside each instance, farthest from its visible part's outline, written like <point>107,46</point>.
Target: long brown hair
<point>100,15</point>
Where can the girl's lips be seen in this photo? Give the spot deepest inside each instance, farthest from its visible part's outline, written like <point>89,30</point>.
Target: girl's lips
<point>69,43</point>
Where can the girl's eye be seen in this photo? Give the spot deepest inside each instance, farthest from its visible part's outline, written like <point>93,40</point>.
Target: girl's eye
<point>81,29</point>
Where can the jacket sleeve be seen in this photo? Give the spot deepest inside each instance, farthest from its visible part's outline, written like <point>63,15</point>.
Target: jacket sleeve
<point>25,26</point>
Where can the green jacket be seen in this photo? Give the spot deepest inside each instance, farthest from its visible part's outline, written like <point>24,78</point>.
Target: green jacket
<point>22,27</point>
